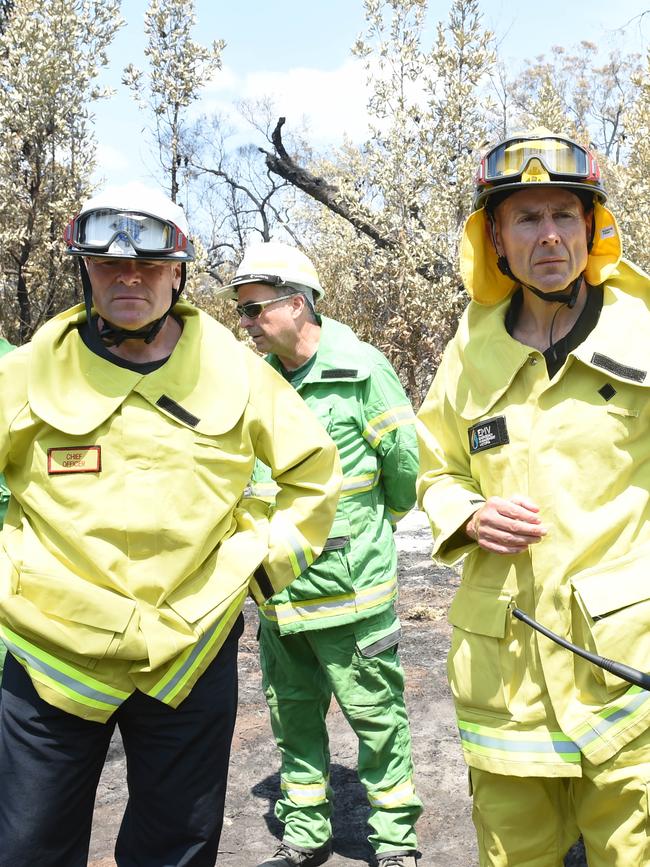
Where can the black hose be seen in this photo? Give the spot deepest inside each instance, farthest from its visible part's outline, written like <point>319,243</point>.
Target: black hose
<point>625,672</point>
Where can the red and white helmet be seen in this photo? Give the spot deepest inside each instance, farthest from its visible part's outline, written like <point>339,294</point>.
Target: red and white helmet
<point>537,157</point>
<point>132,221</point>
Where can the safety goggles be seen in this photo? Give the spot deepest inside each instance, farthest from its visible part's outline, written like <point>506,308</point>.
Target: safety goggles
<point>509,159</point>
<point>253,309</point>
<point>95,231</point>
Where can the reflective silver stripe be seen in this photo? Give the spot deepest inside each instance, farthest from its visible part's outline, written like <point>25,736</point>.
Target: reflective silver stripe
<point>264,489</point>
<point>545,746</point>
<point>371,594</point>
<point>303,558</point>
<point>304,793</point>
<point>166,689</point>
<point>288,612</point>
<point>359,484</point>
<point>404,793</point>
<point>565,746</point>
<point>69,682</point>
<point>387,421</point>
<point>621,710</point>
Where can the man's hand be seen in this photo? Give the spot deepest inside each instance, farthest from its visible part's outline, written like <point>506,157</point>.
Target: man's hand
<point>506,526</point>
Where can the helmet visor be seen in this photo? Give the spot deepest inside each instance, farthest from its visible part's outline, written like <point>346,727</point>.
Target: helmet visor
<point>558,156</point>
<point>95,231</point>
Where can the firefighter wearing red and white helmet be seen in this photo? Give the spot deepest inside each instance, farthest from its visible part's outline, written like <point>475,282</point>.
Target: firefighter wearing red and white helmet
<point>130,427</point>
<point>534,469</point>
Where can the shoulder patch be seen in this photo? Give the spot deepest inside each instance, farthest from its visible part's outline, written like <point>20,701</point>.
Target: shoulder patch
<point>488,434</point>
<point>177,410</point>
<point>621,370</point>
<point>339,373</point>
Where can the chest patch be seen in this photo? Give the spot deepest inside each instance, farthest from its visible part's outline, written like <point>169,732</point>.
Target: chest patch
<point>74,459</point>
<point>488,434</point>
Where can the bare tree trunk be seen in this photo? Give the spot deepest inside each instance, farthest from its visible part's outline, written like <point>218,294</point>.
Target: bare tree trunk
<point>24,306</point>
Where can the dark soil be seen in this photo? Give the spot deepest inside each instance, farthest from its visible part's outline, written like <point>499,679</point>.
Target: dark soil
<point>251,832</point>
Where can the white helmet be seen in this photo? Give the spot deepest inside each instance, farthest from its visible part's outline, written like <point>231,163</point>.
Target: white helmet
<point>130,222</point>
<point>134,221</point>
<point>278,265</point>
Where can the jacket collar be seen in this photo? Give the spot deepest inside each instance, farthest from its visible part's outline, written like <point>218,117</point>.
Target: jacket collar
<point>340,355</point>
<point>623,352</point>
<point>204,384</point>
<point>483,359</point>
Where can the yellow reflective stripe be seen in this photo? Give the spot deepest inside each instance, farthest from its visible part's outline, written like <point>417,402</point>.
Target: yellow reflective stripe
<point>544,747</point>
<point>359,484</point>
<point>382,424</point>
<point>614,717</point>
<point>304,793</point>
<point>61,676</point>
<point>394,516</point>
<point>332,606</point>
<point>397,796</point>
<point>181,671</point>
<point>301,557</point>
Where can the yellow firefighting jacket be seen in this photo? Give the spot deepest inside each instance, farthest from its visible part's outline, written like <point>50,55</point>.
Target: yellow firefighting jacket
<point>494,425</point>
<point>126,553</point>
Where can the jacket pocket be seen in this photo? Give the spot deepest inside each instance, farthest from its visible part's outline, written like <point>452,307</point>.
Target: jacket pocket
<point>330,575</point>
<point>227,572</point>
<point>613,616</point>
<point>479,664</point>
<point>69,613</point>
<point>339,537</point>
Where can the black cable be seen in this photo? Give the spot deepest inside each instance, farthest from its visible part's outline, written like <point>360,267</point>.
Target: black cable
<point>625,672</point>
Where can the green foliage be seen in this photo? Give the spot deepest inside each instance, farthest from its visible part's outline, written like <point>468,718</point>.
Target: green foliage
<point>50,54</point>
<point>383,219</point>
<point>178,66</point>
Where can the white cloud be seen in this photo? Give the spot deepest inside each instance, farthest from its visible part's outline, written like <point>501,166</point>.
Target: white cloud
<point>333,102</point>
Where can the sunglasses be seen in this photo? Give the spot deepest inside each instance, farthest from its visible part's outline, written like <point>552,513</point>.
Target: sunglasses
<point>253,309</point>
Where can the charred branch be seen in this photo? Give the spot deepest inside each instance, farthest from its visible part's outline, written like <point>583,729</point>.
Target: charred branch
<point>281,163</point>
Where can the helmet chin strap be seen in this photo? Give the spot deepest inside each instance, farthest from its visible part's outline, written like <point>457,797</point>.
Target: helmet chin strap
<point>113,335</point>
<point>568,295</point>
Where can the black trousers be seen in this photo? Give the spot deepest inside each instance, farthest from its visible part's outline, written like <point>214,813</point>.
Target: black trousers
<point>177,768</point>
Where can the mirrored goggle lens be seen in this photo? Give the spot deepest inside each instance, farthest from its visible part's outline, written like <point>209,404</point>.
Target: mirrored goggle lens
<point>558,156</point>
<point>99,228</point>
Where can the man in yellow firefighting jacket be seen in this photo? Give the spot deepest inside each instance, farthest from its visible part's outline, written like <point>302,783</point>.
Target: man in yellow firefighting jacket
<point>5,347</point>
<point>129,429</point>
<point>335,631</point>
<point>535,464</point>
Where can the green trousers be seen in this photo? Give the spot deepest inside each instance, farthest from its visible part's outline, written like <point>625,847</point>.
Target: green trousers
<point>300,673</point>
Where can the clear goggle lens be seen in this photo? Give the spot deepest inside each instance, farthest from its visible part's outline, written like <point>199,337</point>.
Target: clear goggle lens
<point>558,156</point>
<point>97,230</point>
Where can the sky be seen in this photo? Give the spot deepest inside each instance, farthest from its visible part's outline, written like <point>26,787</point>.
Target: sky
<point>298,51</point>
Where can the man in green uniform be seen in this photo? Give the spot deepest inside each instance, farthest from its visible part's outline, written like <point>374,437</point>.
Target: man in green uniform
<point>335,631</point>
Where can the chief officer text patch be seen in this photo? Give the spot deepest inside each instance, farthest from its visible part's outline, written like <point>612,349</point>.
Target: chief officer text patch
<point>488,434</point>
<point>74,459</point>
